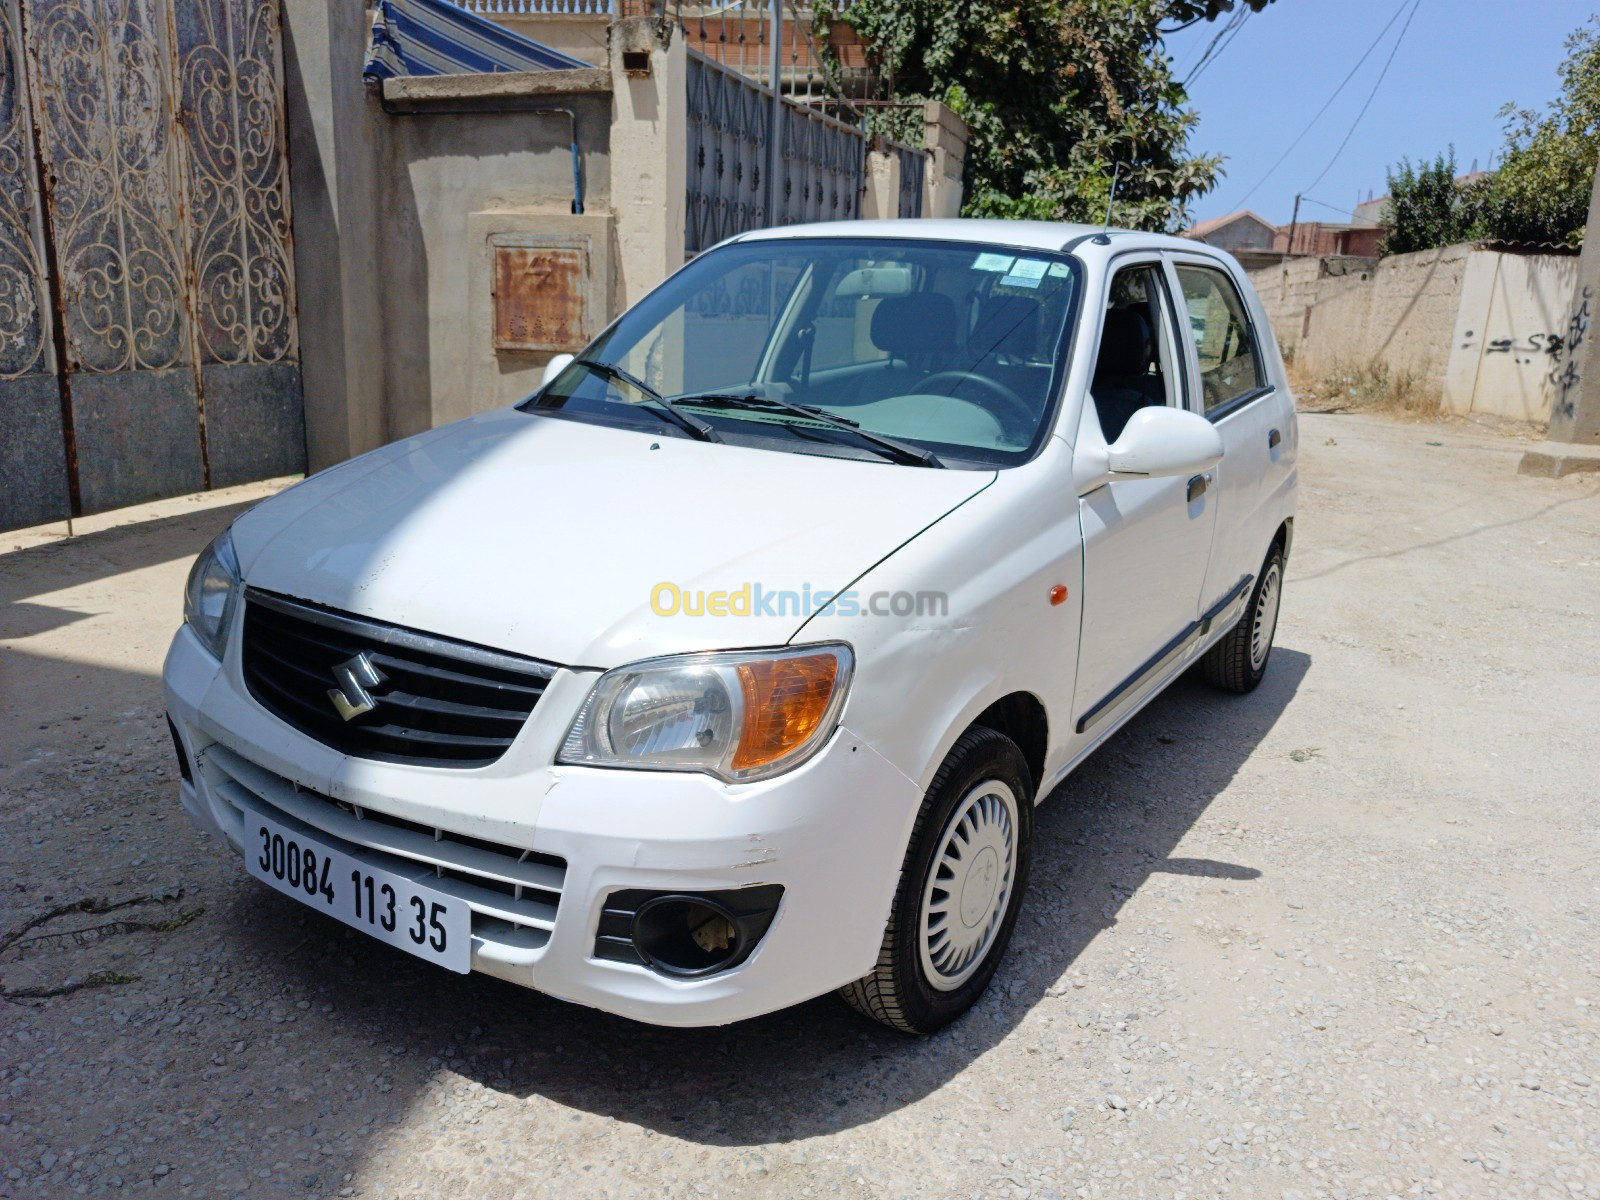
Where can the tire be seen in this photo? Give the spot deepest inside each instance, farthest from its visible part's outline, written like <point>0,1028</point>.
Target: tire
<point>1239,660</point>
<point>982,796</point>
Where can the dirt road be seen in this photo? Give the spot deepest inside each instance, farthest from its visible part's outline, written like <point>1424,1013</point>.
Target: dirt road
<point>1338,938</point>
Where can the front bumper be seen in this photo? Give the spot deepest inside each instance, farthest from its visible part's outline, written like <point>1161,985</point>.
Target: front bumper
<point>535,849</point>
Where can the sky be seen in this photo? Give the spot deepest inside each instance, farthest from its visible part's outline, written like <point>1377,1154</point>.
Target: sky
<point>1457,64</point>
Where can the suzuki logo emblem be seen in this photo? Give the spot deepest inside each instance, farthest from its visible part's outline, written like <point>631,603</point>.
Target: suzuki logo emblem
<point>354,677</point>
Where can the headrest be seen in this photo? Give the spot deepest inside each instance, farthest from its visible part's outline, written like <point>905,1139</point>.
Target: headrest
<point>1124,344</point>
<point>1006,325</point>
<point>922,321</point>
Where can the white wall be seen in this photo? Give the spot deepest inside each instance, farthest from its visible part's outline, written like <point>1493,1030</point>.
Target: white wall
<point>1482,329</point>
<point>1510,334</point>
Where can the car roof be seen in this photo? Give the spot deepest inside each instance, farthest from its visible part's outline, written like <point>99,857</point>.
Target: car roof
<point>1020,235</point>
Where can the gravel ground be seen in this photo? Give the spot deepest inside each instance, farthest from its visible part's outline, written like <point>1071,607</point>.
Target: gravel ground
<point>1337,938</point>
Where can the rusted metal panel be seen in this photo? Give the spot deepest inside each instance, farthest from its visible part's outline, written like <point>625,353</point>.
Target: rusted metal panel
<point>102,102</point>
<point>25,319</point>
<point>541,293</point>
<point>162,231</point>
<point>231,123</point>
<point>34,481</point>
<point>255,421</point>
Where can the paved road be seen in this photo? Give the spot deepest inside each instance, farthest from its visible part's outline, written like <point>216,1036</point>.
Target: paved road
<point>1338,938</point>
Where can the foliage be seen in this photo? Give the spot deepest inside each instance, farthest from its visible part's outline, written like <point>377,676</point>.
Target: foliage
<point>1540,193</point>
<point>1427,207</point>
<point>1054,93</point>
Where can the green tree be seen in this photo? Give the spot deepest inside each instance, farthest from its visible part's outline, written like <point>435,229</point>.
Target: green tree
<point>1427,207</point>
<point>1541,191</point>
<point>1055,92</point>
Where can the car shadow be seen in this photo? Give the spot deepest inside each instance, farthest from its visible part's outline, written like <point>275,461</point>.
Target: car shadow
<point>816,1068</point>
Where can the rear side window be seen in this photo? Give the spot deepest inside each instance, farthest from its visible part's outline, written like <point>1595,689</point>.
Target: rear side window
<point>1230,366</point>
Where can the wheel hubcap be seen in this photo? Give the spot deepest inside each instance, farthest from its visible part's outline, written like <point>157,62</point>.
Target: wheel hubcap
<point>969,885</point>
<point>1266,618</point>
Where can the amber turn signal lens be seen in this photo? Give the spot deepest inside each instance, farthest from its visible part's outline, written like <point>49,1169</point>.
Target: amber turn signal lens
<point>784,702</point>
<point>1058,594</point>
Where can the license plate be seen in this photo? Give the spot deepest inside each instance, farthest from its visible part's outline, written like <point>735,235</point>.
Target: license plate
<point>387,905</point>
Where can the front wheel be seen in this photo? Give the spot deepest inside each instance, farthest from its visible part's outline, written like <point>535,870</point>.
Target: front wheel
<point>960,888</point>
<point>1239,660</point>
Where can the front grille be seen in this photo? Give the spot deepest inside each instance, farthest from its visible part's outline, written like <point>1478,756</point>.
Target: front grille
<point>513,893</point>
<point>439,702</point>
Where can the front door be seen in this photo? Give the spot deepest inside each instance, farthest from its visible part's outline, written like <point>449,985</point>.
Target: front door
<point>1147,542</point>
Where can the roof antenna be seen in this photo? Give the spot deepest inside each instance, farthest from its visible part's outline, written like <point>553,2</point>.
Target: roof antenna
<point>1103,238</point>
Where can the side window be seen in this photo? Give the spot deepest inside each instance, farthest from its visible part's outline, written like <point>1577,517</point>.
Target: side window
<point>1137,364</point>
<point>1223,337</point>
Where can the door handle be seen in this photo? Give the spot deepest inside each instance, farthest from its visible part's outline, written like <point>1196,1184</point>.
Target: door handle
<point>1197,487</point>
<point>1273,438</point>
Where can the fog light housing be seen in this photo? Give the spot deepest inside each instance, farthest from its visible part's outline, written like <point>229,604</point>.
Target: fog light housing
<point>686,935</point>
<point>184,768</point>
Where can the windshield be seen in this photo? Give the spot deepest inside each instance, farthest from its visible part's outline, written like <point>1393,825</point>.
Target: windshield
<point>950,347</point>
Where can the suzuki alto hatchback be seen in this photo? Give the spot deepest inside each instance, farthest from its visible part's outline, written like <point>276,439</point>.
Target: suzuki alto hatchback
<point>726,669</point>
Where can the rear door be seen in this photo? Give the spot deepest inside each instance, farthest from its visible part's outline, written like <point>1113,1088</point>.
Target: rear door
<point>1230,386</point>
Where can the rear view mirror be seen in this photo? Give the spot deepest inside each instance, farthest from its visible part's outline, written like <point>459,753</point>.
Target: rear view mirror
<point>1159,442</point>
<point>554,367</point>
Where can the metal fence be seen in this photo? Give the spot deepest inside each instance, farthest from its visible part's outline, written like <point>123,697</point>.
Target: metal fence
<point>539,8</point>
<point>730,117</point>
<point>913,170</point>
<point>820,171</point>
<point>709,10</point>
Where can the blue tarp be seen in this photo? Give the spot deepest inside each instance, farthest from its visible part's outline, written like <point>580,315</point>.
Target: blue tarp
<point>434,37</point>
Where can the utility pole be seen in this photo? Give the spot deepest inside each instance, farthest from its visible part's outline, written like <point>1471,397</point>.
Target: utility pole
<point>1294,224</point>
<point>1572,442</point>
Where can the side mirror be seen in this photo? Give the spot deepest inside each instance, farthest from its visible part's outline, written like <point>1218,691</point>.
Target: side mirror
<point>1161,442</point>
<point>554,367</point>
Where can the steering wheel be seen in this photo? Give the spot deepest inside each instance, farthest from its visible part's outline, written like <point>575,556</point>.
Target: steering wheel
<point>1017,408</point>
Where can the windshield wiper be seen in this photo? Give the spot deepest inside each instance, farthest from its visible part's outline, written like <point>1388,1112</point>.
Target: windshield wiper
<point>892,448</point>
<point>668,411</point>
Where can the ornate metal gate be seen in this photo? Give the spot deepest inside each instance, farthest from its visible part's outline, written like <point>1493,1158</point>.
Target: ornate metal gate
<point>147,319</point>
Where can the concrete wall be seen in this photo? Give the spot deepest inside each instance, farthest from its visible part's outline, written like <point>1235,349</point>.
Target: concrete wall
<point>421,208</point>
<point>1511,333</point>
<point>1336,314</point>
<point>944,137</point>
<point>396,198</point>
<point>1478,328</point>
<point>449,183</point>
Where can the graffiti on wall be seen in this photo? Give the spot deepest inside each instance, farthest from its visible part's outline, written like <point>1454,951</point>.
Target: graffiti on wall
<point>1564,375</point>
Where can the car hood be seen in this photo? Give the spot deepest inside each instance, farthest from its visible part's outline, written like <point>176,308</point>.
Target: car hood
<point>548,537</point>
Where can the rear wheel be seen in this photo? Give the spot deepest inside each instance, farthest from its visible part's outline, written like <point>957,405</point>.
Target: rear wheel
<point>1239,660</point>
<point>960,888</point>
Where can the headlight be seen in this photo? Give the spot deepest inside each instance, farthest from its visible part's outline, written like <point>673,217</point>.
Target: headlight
<point>738,716</point>
<point>211,595</point>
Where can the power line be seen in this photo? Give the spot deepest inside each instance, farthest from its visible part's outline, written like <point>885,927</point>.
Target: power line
<point>1218,44</point>
<point>1325,204</point>
<point>1326,104</point>
<point>1244,15</point>
<point>1370,96</point>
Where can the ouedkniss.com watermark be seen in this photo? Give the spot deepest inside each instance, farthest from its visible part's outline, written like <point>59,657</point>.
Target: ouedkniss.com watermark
<point>754,600</point>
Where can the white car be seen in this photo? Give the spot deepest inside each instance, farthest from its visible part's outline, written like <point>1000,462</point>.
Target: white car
<point>726,669</point>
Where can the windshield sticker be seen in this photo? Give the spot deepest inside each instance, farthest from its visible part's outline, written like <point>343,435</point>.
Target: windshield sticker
<point>1029,268</point>
<point>993,262</point>
<point>1058,270</point>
